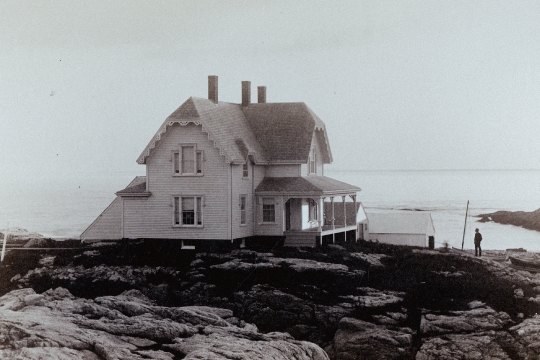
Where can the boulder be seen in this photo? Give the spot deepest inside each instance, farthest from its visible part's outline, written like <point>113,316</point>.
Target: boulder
<point>235,343</point>
<point>57,325</point>
<point>373,298</point>
<point>474,320</point>
<point>373,260</point>
<point>357,339</point>
<point>15,300</point>
<point>527,334</point>
<point>460,346</point>
<point>273,309</point>
<point>40,242</point>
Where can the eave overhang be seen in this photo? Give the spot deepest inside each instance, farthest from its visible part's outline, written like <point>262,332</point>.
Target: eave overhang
<point>320,186</point>
<point>143,194</point>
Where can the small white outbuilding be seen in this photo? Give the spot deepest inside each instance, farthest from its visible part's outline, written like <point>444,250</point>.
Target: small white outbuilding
<point>411,228</point>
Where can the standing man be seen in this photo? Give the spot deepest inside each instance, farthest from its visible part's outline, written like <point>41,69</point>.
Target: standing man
<point>477,240</point>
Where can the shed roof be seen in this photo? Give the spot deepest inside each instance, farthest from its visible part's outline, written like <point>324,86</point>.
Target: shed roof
<point>313,185</point>
<point>401,223</point>
<point>137,187</point>
<point>270,132</point>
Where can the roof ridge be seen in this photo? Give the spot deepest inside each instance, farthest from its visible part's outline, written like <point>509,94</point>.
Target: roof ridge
<point>187,110</point>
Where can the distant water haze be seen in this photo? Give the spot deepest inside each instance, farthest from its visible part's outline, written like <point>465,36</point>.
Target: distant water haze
<point>445,194</point>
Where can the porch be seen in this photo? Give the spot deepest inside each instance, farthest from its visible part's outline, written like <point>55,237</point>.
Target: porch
<point>314,237</point>
<point>310,209</point>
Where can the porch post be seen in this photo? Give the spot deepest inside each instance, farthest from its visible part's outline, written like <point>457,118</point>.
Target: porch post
<point>333,223</point>
<point>355,217</point>
<point>343,198</point>
<point>321,217</point>
<point>344,210</point>
<point>321,213</point>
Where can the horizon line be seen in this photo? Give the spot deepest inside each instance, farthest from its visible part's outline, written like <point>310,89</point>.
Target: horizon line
<point>425,170</point>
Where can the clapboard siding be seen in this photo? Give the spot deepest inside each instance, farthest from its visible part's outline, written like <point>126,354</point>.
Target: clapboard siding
<point>274,229</point>
<point>242,186</point>
<point>108,225</point>
<point>152,217</point>
<point>400,239</point>
<point>261,229</point>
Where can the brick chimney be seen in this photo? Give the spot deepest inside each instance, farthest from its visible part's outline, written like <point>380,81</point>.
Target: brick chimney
<point>213,88</point>
<point>246,93</point>
<point>261,94</point>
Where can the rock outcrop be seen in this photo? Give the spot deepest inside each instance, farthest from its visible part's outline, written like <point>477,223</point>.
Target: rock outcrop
<point>527,335</point>
<point>463,346</point>
<point>528,220</point>
<point>475,320</point>
<point>357,339</point>
<point>57,325</point>
<point>243,304</point>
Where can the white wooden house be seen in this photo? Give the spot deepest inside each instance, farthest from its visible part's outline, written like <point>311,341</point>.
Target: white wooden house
<point>411,228</point>
<point>224,171</point>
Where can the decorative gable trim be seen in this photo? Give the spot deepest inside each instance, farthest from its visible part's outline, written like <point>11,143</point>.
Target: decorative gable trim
<point>182,122</point>
<point>327,155</point>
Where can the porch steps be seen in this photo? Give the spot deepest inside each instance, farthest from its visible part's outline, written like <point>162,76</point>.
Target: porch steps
<point>300,239</point>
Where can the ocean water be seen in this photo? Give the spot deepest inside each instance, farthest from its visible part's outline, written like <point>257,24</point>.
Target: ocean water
<point>445,194</point>
<point>64,208</point>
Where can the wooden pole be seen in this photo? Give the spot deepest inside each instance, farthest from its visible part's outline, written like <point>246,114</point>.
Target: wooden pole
<point>465,226</point>
<point>4,244</point>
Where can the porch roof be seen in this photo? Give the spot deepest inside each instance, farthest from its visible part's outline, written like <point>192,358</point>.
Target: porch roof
<point>304,185</point>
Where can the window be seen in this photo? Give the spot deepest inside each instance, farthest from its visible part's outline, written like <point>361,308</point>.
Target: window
<point>199,160</point>
<point>242,209</point>
<point>313,162</point>
<point>188,211</point>
<point>176,161</point>
<point>245,171</point>
<point>269,210</point>
<point>188,161</point>
<point>188,245</point>
<point>313,213</point>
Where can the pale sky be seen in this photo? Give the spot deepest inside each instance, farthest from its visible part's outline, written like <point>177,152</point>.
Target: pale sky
<point>84,85</point>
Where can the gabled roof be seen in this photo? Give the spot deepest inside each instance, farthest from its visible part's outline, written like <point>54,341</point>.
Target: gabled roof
<point>224,123</point>
<point>401,223</point>
<point>304,185</point>
<point>285,130</point>
<point>269,132</point>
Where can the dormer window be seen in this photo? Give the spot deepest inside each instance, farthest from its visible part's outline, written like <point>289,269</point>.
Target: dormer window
<point>188,161</point>
<point>245,171</point>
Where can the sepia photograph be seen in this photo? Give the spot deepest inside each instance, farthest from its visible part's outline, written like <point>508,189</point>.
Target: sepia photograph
<point>269,179</point>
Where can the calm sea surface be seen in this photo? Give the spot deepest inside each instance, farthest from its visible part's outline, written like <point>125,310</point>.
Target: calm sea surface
<point>65,207</point>
<point>445,193</point>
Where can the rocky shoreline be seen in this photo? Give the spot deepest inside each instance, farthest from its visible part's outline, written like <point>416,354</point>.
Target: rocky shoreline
<point>528,220</point>
<point>358,300</point>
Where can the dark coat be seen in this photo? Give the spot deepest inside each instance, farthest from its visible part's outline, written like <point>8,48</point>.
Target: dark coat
<point>477,238</point>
